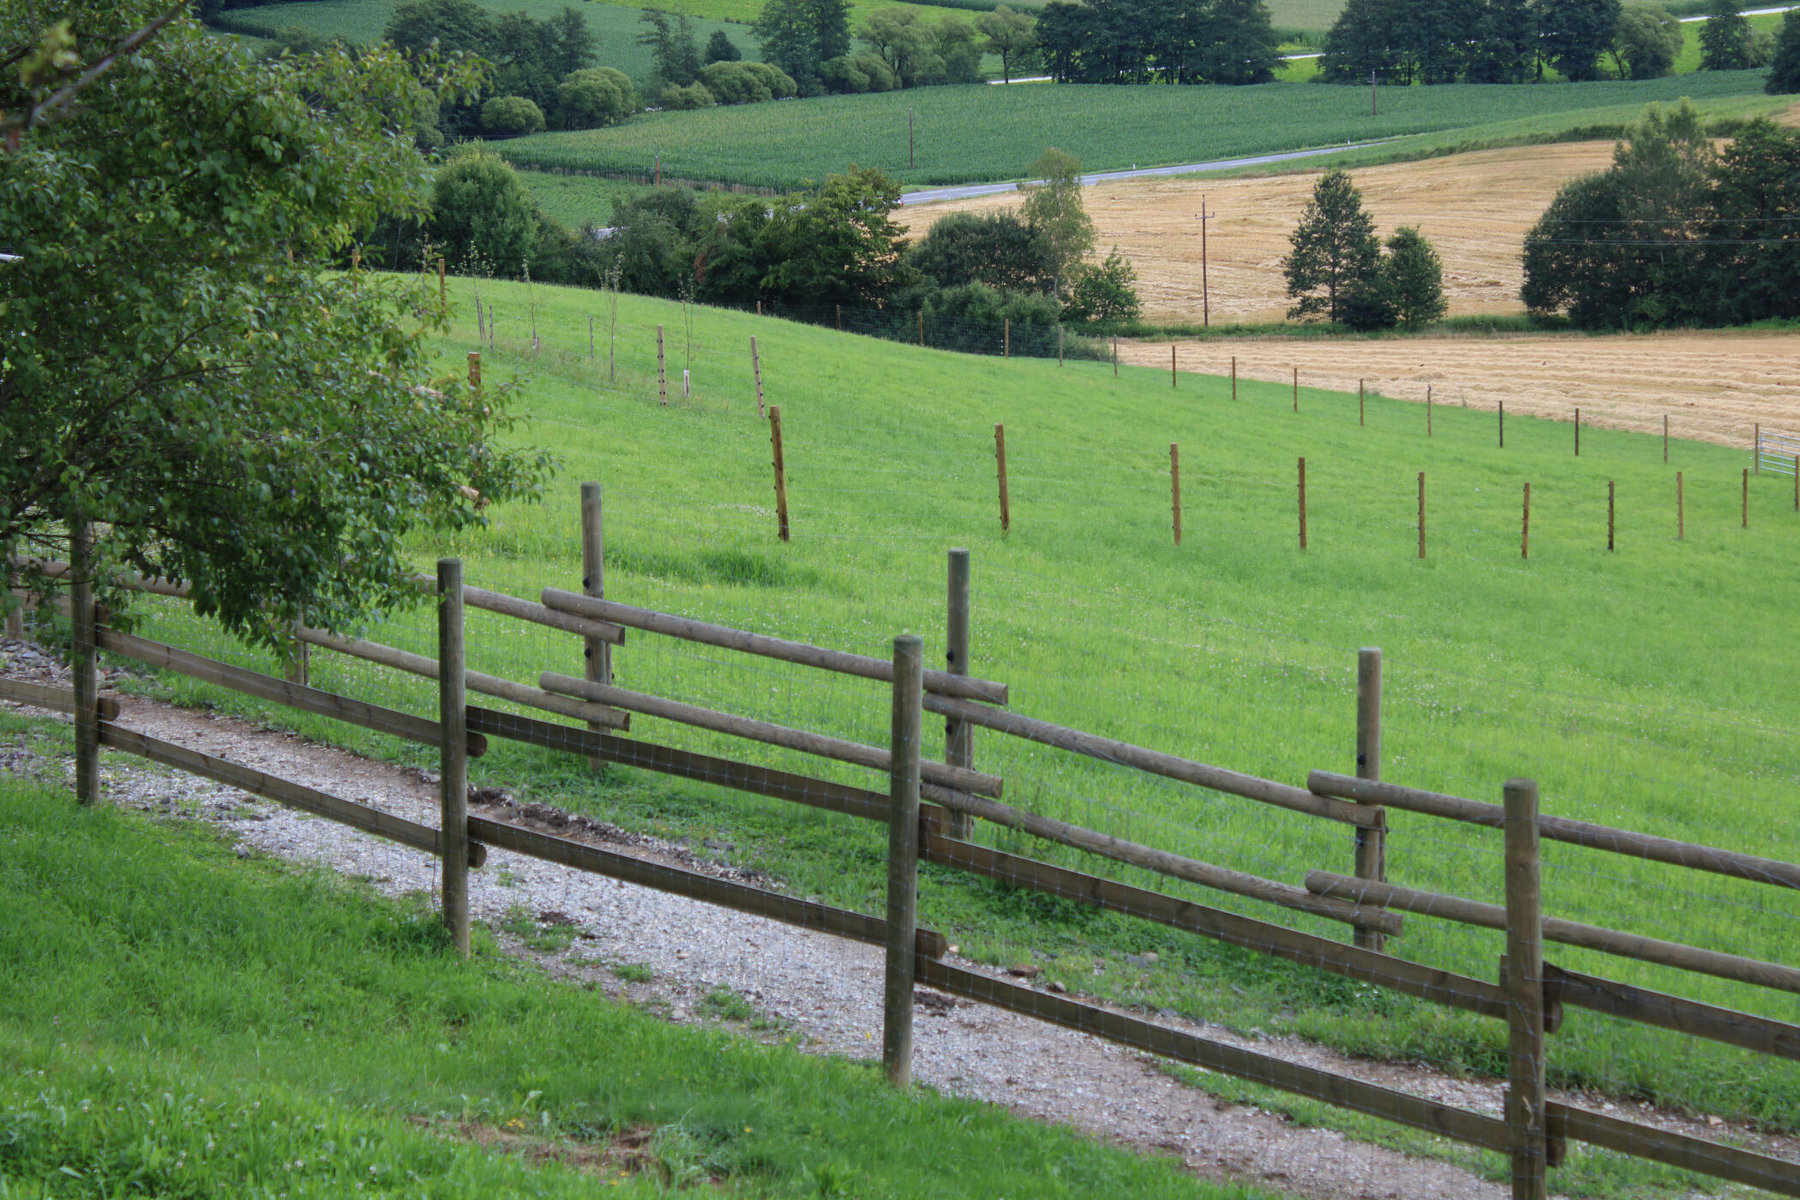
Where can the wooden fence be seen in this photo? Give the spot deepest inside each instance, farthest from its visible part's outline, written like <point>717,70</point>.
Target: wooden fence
<point>929,807</point>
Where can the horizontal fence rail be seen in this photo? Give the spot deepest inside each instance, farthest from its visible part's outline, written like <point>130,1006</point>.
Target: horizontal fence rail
<point>55,699</point>
<point>1561,829</point>
<point>723,636</point>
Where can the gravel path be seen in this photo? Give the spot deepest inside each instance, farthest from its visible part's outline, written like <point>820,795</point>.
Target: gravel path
<point>821,990</point>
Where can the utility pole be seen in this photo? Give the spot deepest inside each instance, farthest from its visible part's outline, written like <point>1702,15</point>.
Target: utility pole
<point>1205,291</point>
<point>909,136</point>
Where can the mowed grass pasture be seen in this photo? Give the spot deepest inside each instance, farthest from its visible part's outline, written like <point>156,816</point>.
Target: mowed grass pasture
<point>980,133</point>
<point>1649,687</point>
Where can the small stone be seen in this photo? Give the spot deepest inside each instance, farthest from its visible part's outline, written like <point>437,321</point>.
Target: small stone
<point>1025,971</point>
<point>1151,957</point>
<point>241,850</point>
<point>1057,987</point>
<point>1715,1121</point>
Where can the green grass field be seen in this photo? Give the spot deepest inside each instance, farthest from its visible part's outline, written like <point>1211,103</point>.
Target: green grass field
<point>989,133</point>
<point>177,1022</point>
<point>577,200</point>
<point>1648,687</point>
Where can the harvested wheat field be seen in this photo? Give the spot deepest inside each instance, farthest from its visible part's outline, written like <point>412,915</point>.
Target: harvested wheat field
<point>1712,386</point>
<point>1475,208</point>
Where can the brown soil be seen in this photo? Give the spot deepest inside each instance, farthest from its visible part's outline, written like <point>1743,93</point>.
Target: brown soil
<point>1712,386</point>
<point>1475,209</point>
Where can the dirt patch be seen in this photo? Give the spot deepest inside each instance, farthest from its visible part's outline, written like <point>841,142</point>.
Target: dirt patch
<point>1712,386</point>
<point>1475,208</point>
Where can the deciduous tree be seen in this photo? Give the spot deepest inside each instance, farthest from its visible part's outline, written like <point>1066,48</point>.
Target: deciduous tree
<point>261,426</point>
<point>1726,39</point>
<point>1055,213</point>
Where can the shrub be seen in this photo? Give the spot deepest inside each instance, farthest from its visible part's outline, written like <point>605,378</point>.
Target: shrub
<point>864,72</point>
<point>679,99</point>
<point>1105,292</point>
<point>511,116</point>
<point>746,82</point>
<point>594,97</point>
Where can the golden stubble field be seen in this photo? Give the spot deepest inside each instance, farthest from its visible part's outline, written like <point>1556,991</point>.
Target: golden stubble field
<point>1475,208</point>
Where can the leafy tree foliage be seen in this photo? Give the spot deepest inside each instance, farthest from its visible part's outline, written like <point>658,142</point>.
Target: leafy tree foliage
<point>1753,236</point>
<point>593,97</point>
<point>746,82</point>
<point>1573,34</point>
<point>511,116</point>
<point>1103,292</point>
<point>1010,35</point>
<point>482,216</point>
<point>527,57</point>
<point>1140,41</point>
<point>263,427</point>
<point>997,249</point>
<point>673,50</point>
<point>865,72</point>
<point>1646,42</point>
<point>1505,46</point>
<point>1054,210</point>
<point>1784,69</point>
<point>1335,254</point>
<point>1726,40</point>
<point>801,36</point>
<point>720,48</point>
<point>1412,278</point>
<point>919,53</point>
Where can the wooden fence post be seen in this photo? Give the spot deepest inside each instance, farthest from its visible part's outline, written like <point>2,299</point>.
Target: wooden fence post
<point>1609,514</point>
<point>443,285</point>
<point>1428,410</point>
<point>83,661</point>
<point>1115,358</point>
<point>1172,364</point>
<point>1000,458</point>
<point>1665,437</point>
<point>591,354</point>
<point>781,509</point>
<point>1578,433</point>
<point>921,329</point>
<point>1746,524</point>
<point>1525,526</point>
<point>1680,510</point>
<point>959,735</point>
<point>1502,423</point>
<point>1296,389</point>
<point>1756,451</point>
<point>1371,841</point>
<point>756,371</point>
<point>453,770</point>
<point>1797,483</point>
<point>1234,377</point>
<point>1175,487</point>
<point>1362,412</point>
<point>759,308</point>
<point>662,374</point>
<point>475,369</point>
<point>1006,337</point>
<point>1421,514</point>
<point>1059,345</point>
<point>840,318</point>
<point>1523,979</point>
<point>296,657</point>
<point>1303,503</point>
<point>903,864</point>
<point>598,652</point>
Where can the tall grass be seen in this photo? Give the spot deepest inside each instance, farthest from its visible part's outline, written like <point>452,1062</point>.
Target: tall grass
<point>1649,687</point>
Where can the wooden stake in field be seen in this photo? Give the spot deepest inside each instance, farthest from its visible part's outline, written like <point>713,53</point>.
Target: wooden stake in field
<point>656,180</point>
<point>1503,424</point>
<point>597,652</point>
<point>1175,487</point>
<point>903,862</point>
<point>1115,358</point>
<point>921,329</point>
<point>443,285</point>
<point>591,354</point>
<point>1303,503</point>
<point>1797,483</point>
<point>475,369</point>
<point>1610,509</point>
<point>83,661</point>
<point>1523,978</point>
<point>662,374</point>
<point>1680,510</point>
<point>1234,377</point>
<point>1059,345</point>
<point>1171,364</point>
<point>1296,389</point>
<point>480,325</point>
<point>1371,841</point>
<point>1205,291</point>
<point>1525,526</point>
<point>781,509</point>
<point>1428,410</point>
<point>1421,514</point>
<point>1362,412</point>
<point>756,373</point>
<point>1665,437</point>
<point>1006,335</point>
<point>1000,460</point>
<point>1756,451</point>
<point>1578,433</point>
<point>959,735</point>
<point>1746,498</point>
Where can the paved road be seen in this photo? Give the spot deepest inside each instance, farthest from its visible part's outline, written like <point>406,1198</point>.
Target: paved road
<point>967,191</point>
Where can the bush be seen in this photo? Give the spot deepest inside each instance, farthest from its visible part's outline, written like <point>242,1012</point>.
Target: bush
<point>594,97</point>
<point>481,212</point>
<point>998,249</point>
<point>511,116</point>
<point>746,82</point>
<point>680,99</point>
<point>1105,292</point>
<point>864,72</point>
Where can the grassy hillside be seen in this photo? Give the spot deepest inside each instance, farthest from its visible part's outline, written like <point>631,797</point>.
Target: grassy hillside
<point>989,133</point>
<point>178,1022</point>
<point>1647,687</point>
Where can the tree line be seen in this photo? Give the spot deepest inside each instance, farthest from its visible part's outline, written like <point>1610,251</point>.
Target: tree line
<point>1158,41</point>
<point>1516,41</point>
